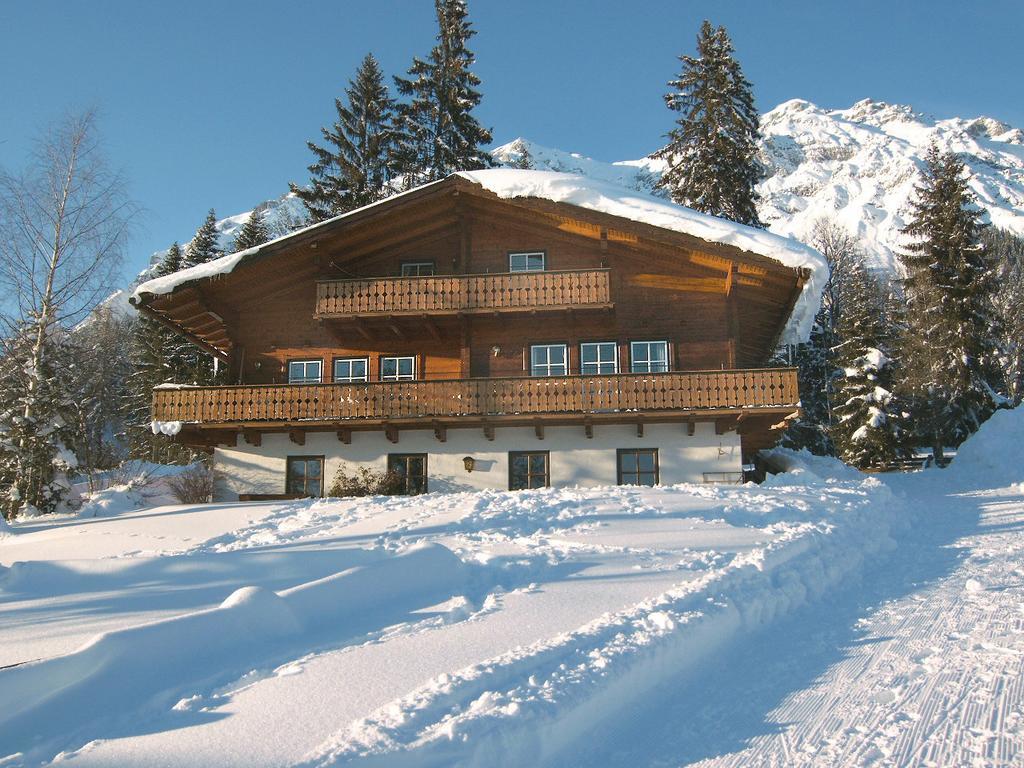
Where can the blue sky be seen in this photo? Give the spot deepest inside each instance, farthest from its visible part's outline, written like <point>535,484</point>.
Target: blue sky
<point>209,104</point>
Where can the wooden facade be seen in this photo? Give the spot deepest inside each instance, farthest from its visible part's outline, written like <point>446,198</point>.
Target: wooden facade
<point>337,291</point>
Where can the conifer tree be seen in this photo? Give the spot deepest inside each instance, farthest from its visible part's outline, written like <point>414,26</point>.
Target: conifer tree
<point>437,133</point>
<point>712,150</point>
<point>204,246</point>
<point>356,162</point>
<point>868,423</point>
<point>1007,257</point>
<point>254,232</point>
<point>950,352</point>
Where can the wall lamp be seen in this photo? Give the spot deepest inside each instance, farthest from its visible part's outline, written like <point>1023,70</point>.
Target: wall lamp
<point>469,462</point>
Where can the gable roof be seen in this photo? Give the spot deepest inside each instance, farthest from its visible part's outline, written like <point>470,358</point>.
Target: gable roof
<point>563,189</point>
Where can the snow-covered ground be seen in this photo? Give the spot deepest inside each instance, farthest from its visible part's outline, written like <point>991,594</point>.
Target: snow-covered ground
<point>825,618</point>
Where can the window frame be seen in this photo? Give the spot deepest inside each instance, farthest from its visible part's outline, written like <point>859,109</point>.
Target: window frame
<point>398,376</point>
<point>305,361</point>
<point>425,263</point>
<point>549,375</point>
<point>543,261</point>
<point>290,461</point>
<point>393,457</point>
<point>620,452</point>
<point>668,355</point>
<point>334,369</point>
<point>512,455</point>
<point>615,360</point>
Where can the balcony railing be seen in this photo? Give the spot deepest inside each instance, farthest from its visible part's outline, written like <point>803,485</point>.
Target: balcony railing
<point>455,294</point>
<point>439,399</point>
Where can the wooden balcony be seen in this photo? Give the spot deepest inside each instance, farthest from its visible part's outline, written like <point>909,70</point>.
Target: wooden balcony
<point>464,294</point>
<point>628,395</point>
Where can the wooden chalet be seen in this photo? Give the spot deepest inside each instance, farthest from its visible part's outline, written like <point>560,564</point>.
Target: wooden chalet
<point>466,338</point>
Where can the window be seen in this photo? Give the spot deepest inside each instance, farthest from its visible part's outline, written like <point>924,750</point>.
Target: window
<point>528,469</point>
<point>417,268</point>
<point>304,475</point>
<point>526,262</point>
<point>350,369</point>
<point>398,368</point>
<point>649,356</point>
<point>599,357</point>
<point>638,466</point>
<point>549,360</point>
<point>305,371</point>
<point>412,468</point>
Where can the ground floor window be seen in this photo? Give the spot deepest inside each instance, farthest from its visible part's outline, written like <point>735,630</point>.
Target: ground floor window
<point>528,469</point>
<point>412,469</point>
<point>638,466</point>
<point>305,475</point>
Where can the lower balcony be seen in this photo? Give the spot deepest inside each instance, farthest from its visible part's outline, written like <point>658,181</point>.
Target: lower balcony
<point>623,397</point>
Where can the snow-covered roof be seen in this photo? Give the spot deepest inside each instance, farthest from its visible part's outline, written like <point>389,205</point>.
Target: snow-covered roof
<point>602,197</point>
<point>629,204</point>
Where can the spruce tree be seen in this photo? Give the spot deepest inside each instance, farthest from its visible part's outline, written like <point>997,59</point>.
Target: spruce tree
<point>951,357</point>
<point>868,424</point>
<point>1007,256</point>
<point>356,162</point>
<point>205,245</point>
<point>711,155</point>
<point>437,133</point>
<point>254,232</point>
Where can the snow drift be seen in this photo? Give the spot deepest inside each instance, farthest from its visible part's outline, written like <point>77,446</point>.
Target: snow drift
<point>994,455</point>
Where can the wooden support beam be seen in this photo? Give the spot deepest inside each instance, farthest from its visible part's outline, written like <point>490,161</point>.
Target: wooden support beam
<point>588,429</point>
<point>465,341</point>
<point>391,433</point>
<point>489,431</point>
<point>431,327</point>
<point>639,429</point>
<point>345,436</point>
<point>691,427</point>
<point>297,436</point>
<point>725,425</point>
<point>440,432</point>
<point>538,429</point>
<point>396,330</point>
<point>253,437</point>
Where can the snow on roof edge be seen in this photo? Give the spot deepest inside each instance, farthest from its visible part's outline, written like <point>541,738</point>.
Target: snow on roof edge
<point>604,197</point>
<point>598,196</point>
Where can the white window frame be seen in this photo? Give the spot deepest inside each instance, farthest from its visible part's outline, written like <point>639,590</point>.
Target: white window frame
<point>548,365</point>
<point>350,379</point>
<point>306,378</point>
<point>646,361</point>
<point>614,361</point>
<point>398,375</point>
<point>414,268</point>
<point>526,266</point>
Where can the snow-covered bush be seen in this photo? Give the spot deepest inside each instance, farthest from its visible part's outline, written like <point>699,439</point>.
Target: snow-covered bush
<point>366,482</point>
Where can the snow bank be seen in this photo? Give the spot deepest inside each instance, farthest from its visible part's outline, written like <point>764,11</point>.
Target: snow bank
<point>994,455</point>
<point>252,625</point>
<point>804,468</point>
<point>638,206</point>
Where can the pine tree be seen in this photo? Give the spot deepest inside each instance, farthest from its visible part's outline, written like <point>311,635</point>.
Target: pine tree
<point>254,232</point>
<point>868,424</point>
<point>712,150</point>
<point>204,246</point>
<point>436,131</point>
<point>1007,256</point>
<point>356,163</point>
<point>951,357</point>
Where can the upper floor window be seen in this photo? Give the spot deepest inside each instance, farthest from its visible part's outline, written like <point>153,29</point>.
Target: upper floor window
<point>398,368</point>
<point>599,357</point>
<point>351,369</point>
<point>417,268</point>
<point>305,371</point>
<point>549,360</point>
<point>649,356</point>
<point>526,262</point>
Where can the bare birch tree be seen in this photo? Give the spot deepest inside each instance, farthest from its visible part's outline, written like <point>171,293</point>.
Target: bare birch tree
<point>64,221</point>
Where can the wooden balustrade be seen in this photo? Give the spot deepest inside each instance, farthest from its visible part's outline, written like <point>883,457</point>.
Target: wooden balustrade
<point>451,294</point>
<point>438,399</point>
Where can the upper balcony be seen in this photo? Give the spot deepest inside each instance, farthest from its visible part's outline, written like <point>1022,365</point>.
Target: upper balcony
<point>623,397</point>
<point>464,294</point>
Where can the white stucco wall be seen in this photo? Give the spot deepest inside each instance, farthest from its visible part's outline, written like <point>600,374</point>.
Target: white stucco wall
<point>574,459</point>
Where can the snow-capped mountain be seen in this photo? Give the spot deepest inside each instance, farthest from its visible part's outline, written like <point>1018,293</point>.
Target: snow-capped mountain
<point>857,166</point>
